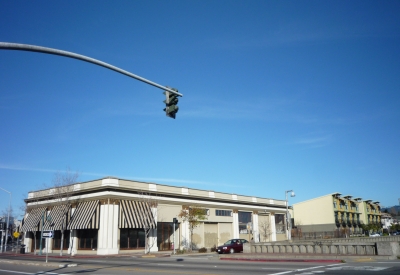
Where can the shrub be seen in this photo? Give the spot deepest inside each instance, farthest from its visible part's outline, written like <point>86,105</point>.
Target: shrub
<point>202,250</point>
<point>183,251</point>
<point>214,248</point>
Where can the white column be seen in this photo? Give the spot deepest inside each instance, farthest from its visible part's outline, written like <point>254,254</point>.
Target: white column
<point>153,233</point>
<point>273,228</point>
<point>73,239</point>
<point>108,231</point>
<point>185,237</point>
<point>256,234</point>
<point>48,243</point>
<point>73,242</point>
<point>28,242</point>
<point>235,224</point>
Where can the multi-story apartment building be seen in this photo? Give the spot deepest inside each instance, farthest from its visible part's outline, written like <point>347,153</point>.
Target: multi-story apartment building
<point>334,212</point>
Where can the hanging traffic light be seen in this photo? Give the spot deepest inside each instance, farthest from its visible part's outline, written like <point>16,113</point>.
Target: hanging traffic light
<point>171,101</point>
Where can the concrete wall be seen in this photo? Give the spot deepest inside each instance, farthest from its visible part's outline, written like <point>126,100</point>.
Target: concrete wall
<point>225,232</point>
<point>167,212</point>
<point>354,246</point>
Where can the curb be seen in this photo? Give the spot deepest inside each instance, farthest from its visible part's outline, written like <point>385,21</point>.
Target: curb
<point>281,260</point>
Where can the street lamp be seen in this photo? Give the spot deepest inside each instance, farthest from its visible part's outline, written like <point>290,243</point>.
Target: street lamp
<point>8,224</point>
<point>288,235</point>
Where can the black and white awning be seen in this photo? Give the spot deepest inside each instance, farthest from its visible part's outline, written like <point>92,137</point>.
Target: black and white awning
<point>32,221</point>
<point>135,214</point>
<point>86,216</point>
<point>58,217</point>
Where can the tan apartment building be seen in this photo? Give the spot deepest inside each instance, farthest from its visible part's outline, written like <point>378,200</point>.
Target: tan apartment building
<point>110,215</point>
<point>335,213</point>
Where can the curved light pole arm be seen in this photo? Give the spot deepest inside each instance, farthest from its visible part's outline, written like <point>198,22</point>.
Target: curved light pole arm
<point>33,48</point>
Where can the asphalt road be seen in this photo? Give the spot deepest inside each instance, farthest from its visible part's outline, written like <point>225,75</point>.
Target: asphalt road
<point>204,265</point>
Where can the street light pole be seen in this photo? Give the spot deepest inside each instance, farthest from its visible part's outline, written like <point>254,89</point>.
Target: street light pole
<point>8,223</point>
<point>288,235</point>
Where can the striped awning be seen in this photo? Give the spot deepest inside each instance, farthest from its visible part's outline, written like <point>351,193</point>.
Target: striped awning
<point>59,217</point>
<point>135,214</point>
<point>31,222</point>
<point>86,216</point>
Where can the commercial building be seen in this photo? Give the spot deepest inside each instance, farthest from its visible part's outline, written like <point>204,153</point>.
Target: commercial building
<point>336,214</point>
<point>111,216</point>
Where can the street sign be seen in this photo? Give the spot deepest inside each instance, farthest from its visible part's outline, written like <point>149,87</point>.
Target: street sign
<point>16,235</point>
<point>48,234</point>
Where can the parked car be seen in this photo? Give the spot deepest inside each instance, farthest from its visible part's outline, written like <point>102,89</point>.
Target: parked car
<point>374,234</point>
<point>232,246</point>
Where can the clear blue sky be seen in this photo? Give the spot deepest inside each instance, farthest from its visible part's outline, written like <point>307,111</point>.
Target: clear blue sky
<point>278,95</point>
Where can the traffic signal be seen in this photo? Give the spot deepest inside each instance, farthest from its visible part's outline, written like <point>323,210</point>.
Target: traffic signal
<point>171,101</point>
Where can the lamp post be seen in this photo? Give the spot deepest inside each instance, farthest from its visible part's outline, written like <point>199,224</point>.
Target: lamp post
<point>288,235</point>
<point>8,223</point>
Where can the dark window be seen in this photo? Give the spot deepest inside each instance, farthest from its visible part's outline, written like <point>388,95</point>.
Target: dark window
<point>87,238</point>
<point>165,235</point>
<point>132,238</point>
<point>225,213</point>
<point>38,241</point>
<point>57,239</point>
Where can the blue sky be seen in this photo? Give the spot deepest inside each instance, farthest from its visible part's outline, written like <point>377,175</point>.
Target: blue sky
<point>278,95</point>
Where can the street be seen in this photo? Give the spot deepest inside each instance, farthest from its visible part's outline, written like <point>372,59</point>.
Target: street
<point>199,265</point>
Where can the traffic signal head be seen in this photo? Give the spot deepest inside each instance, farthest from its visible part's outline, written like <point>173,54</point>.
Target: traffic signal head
<point>171,101</point>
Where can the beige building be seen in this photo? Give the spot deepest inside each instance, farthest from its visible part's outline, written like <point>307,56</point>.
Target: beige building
<point>111,215</point>
<point>335,213</point>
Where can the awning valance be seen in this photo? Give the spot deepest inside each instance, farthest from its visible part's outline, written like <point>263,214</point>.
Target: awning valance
<point>59,217</point>
<point>86,216</point>
<point>31,222</point>
<point>135,214</point>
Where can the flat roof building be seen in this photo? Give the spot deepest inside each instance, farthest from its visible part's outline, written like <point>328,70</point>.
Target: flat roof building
<point>111,215</point>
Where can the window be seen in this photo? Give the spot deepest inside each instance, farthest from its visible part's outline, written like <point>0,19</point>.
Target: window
<point>57,239</point>
<point>87,238</point>
<point>131,238</point>
<point>225,213</point>
<point>280,223</point>
<point>244,218</point>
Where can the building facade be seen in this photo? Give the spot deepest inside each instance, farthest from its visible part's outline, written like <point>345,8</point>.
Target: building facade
<point>336,214</point>
<point>111,216</point>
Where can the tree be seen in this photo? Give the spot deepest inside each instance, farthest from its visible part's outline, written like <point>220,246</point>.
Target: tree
<point>194,216</point>
<point>265,230</point>
<point>150,202</point>
<point>62,186</point>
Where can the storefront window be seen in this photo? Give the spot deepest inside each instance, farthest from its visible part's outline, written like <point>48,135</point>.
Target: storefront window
<point>165,235</point>
<point>132,238</point>
<point>57,239</point>
<point>87,238</point>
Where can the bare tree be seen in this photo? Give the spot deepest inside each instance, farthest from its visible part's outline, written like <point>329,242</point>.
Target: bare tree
<point>265,230</point>
<point>150,202</point>
<point>194,215</point>
<point>62,187</point>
